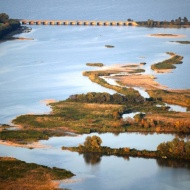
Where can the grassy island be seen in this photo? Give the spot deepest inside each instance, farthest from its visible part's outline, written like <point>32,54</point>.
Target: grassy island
<point>15,173</point>
<point>178,149</point>
<point>168,63</point>
<point>98,112</point>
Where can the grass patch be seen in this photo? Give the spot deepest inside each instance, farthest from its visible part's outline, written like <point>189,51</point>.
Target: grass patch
<point>168,63</point>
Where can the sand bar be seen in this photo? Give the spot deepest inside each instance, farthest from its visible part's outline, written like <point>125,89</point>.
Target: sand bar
<point>167,35</point>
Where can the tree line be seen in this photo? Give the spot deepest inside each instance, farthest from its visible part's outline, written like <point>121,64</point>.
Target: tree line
<point>96,97</point>
<point>174,22</point>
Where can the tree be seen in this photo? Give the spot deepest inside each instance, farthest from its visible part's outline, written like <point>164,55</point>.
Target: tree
<point>185,20</point>
<point>92,143</point>
<point>4,17</point>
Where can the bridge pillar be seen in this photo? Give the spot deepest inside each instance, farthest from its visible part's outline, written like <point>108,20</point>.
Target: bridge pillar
<point>65,23</point>
<point>113,23</point>
<point>79,23</point>
<point>45,23</point>
<point>99,23</point>
<point>86,23</point>
<point>93,23</point>
<point>38,22</point>
<point>72,23</point>
<point>24,22</point>
<point>120,24</point>
<point>31,22</point>
<point>106,23</point>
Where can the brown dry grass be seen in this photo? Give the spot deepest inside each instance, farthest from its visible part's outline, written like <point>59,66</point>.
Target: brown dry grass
<point>144,81</point>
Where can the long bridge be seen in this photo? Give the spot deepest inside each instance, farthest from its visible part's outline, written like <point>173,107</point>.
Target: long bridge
<point>79,22</point>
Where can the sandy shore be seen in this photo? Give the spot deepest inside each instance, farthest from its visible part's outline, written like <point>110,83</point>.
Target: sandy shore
<point>144,81</point>
<point>31,145</point>
<point>48,101</point>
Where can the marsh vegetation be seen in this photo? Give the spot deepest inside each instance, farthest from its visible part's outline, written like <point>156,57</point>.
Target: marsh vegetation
<point>16,174</point>
<point>168,63</point>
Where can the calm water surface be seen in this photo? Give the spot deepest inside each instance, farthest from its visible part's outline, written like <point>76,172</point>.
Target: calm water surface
<point>51,66</point>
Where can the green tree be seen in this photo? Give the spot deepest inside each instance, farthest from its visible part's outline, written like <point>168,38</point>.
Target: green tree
<point>92,143</point>
<point>4,18</point>
<point>185,20</point>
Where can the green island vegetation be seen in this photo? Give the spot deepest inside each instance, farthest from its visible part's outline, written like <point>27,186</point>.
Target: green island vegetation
<point>182,42</point>
<point>95,64</point>
<point>178,149</point>
<point>98,112</point>
<point>15,173</point>
<point>179,97</point>
<point>168,63</point>
<point>7,25</point>
<point>176,23</point>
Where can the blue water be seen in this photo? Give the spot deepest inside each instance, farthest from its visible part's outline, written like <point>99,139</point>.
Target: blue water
<point>96,10</point>
<point>51,66</point>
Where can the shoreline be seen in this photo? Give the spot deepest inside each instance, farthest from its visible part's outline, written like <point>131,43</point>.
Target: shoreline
<point>29,145</point>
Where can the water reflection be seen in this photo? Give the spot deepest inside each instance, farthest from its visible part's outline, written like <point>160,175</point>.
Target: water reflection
<point>95,158</point>
<point>92,159</point>
<point>173,163</point>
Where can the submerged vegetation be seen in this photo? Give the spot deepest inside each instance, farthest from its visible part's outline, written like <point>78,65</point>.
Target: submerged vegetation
<point>168,63</point>
<point>178,149</point>
<point>109,46</point>
<point>15,173</point>
<point>182,42</point>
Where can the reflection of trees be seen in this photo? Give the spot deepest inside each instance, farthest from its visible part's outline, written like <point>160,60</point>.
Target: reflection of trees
<point>173,163</point>
<point>92,158</point>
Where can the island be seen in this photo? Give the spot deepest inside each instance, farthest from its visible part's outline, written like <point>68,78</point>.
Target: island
<point>178,149</point>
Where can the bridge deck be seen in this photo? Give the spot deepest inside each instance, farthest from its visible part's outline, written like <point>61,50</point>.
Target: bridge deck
<point>79,22</point>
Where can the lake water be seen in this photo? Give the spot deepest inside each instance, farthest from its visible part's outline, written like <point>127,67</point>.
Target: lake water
<point>51,66</point>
